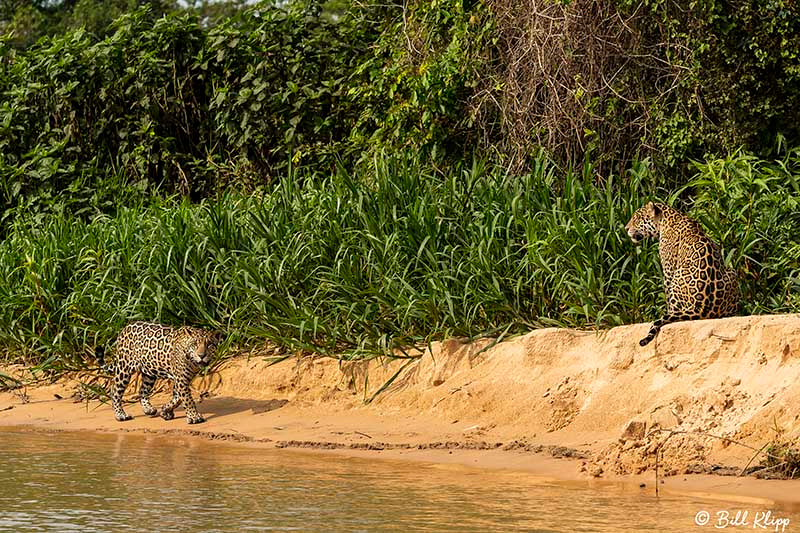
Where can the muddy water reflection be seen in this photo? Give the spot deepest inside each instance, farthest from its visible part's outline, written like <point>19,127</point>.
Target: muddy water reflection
<point>94,482</point>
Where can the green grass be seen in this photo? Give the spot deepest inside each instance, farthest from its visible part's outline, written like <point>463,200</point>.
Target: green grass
<point>354,266</point>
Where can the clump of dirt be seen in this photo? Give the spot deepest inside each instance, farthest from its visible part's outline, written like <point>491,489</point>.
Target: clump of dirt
<point>682,432</point>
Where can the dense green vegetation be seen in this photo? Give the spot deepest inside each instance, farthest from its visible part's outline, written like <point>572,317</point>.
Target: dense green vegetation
<point>167,105</point>
<point>355,265</point>
<point>350,178</point>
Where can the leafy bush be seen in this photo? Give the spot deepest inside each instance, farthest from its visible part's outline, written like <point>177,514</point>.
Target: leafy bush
<point>170,105</point>
<point>278,83</point>
<point>415,89</point>
<point>729,75</point>
<point>627,79</point>
<point>180,104</point>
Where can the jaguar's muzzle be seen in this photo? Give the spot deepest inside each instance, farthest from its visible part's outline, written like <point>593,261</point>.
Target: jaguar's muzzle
<point>635,236</point>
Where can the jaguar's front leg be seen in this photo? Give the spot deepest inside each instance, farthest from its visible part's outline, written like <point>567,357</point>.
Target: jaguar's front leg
<point>168,409</point>
<point>192,416</point>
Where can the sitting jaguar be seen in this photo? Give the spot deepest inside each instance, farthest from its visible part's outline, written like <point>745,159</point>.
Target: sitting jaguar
<point>158,351</point>
<point>696,283</point>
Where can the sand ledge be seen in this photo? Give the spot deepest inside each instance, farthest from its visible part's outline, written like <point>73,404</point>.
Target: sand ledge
<point>605,403</point>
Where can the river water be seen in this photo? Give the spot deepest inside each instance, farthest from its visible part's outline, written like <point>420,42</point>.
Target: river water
<point>64,481</point>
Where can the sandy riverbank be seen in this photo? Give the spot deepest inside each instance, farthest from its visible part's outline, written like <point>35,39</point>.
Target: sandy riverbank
<point>558,403</point>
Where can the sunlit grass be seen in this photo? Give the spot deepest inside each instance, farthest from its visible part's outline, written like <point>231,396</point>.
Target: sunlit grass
<point>345,265</point>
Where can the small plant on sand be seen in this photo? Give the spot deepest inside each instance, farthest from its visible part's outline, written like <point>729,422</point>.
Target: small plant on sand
<point>781,460</point>
<point>781,457</point>
<point>8,383</point>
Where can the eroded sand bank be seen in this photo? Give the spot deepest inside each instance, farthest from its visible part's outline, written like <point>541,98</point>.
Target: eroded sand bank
<point>559,403</point>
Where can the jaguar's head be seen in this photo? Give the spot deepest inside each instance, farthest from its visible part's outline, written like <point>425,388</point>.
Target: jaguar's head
<point>202,345</point>
<point>645,222</point>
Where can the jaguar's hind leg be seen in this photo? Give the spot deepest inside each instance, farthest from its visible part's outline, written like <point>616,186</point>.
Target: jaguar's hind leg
<point>121,379</point>
<point>146,389</point>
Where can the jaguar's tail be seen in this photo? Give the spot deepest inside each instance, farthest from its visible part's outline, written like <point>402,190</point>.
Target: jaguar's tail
<point>100,355</point>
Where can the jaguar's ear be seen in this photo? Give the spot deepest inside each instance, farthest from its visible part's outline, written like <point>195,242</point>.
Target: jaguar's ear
<point>655,211</point>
